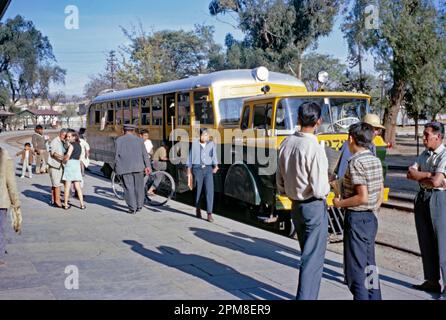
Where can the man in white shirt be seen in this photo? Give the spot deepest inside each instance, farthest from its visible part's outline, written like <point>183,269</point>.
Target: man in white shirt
<point>303,177</point>
<point>430,214</point>
<point>144,134</point>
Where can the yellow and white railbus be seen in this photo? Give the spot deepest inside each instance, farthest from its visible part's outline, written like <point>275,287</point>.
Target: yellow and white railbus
<point>212,101</point>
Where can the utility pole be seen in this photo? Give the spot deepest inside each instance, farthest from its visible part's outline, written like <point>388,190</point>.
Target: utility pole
<point>111,67</point>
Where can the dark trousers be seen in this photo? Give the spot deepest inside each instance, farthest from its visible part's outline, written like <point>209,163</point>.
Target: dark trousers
<point>359,255</point>
<point>3,227</point>
<point>430,221</point>
<point>204,177</point>
<point>134,190</point>
<point>310,219</point>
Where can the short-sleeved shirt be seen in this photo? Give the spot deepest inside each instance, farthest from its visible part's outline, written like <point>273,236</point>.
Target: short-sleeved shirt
<point>149,146</point>
<point>364,169</point>
<point>434,162</point>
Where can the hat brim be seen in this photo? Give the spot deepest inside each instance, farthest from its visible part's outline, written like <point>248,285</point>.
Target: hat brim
<point>376,125</point>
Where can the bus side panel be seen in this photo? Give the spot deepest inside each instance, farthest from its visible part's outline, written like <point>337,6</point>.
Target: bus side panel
<point>102,146</point>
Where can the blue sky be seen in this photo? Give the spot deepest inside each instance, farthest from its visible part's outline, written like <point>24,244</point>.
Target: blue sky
<point>82,52</point>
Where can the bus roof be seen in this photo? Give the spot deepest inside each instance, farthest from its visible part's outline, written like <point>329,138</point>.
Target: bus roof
<point>334,94</point>
<point>220,78</point>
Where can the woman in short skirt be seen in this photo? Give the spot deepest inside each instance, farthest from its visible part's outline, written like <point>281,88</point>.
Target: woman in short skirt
<point>72,170</point>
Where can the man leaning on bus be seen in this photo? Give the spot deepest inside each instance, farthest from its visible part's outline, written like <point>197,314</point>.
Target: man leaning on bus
<point>303,177</point>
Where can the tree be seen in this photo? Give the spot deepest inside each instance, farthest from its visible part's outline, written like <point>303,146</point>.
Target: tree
<point>277,32</point>
<point>358,37</point>
<point>55,98</point>
<point>407,40</point>
<point>167,55</point>
<point>26,60</point>
<point>37,82</point>
<point>97,84</point>
<point>70,111</point>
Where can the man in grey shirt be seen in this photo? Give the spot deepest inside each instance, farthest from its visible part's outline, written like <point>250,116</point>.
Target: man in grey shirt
<point>303,177</point>
<point>430,203</point>
<point>131,161</point>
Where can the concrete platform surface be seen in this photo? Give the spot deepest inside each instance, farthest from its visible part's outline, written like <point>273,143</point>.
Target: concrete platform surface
<point>162,253</point>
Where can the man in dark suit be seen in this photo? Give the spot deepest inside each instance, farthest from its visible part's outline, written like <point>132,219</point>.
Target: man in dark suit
<point>131,161</point>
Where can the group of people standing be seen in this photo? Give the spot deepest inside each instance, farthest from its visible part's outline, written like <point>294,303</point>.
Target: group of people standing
<point>135,157</point>
<point>67,160</point>
<point>303,176</point>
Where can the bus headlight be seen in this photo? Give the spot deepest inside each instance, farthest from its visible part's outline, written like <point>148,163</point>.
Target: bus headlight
<point>261,73</point>
<point>322,77</point>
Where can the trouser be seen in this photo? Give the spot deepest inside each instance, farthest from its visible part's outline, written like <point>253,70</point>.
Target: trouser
<point>27,167</point>
<point>430,222</point>
<point>359,255</point>
<point>134,190</point>
<point>204,176</point>
<point>41,161</point>
<point>3,228</point>
<point>310,219</point>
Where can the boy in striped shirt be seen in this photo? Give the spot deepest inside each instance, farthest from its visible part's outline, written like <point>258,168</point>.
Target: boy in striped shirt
<point>362,196</point>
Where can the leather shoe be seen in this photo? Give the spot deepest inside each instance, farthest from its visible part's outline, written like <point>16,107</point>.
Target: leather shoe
<point>198,213</point>
<point>428,287</point>
<point>210,218</point>
<point>131,211</point>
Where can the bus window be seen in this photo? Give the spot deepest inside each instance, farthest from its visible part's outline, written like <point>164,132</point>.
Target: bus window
<point>183,109</point>
<point>230,110</point>
<point>245,119</point>
<point>347,111</point>
<point>119,120</point>
<point>110,114</point>
<point>97,114</point>
<point>288,111</point>
<point>126,111</point>
<point>91,116</point>
<point>135,112</point>
<point>157,111</point>
<point>145,112</point>
<point>204,112</point>
<point>262,116</point>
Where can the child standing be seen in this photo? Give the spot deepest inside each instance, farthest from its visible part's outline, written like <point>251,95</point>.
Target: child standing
<point>27,160</point>
<point>363,189</point>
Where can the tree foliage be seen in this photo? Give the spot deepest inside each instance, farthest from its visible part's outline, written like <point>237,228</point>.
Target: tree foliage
<point>27,63</point>
<point>411,41</point>
<point>167,55</point>
<point>277,32</point>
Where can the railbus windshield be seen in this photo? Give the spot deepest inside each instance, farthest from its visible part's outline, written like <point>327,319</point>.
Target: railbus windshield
<point>337,113</point>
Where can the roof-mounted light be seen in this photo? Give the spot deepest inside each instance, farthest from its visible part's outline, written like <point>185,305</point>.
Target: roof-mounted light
<point>261,73</point>
<point>323,77</point>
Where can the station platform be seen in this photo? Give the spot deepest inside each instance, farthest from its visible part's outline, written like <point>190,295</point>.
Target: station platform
<point>162,253</point>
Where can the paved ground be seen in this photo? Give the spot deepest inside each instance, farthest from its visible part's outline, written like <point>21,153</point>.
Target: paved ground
<point>159,254</point>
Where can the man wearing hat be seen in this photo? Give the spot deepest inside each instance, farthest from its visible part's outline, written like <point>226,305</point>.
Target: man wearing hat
<point>131,161</point>
<point>374,121</point>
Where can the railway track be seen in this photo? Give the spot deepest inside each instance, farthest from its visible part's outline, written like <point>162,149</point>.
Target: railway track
<point>397,201</point>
